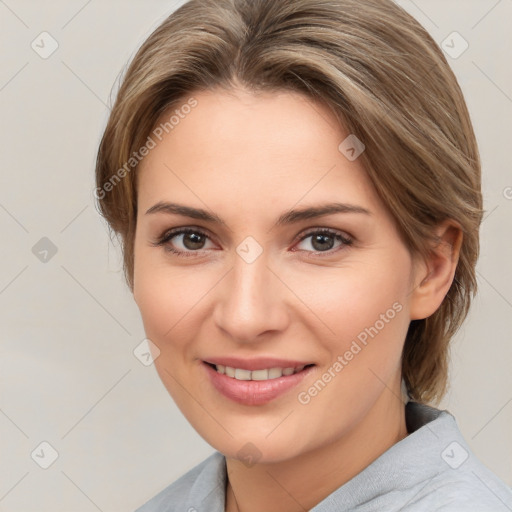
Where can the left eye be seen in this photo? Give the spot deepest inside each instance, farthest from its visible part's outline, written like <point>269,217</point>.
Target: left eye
<point>323,241</point>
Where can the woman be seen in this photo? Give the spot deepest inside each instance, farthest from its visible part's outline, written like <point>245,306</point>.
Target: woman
<point>296,184</point>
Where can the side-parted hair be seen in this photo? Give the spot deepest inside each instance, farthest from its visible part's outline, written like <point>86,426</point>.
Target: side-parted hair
<point>386,81</point>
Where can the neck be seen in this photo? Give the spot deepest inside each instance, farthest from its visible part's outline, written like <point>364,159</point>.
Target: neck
<point>303,482</point>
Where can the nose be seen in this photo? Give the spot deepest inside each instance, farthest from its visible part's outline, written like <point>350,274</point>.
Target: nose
<point>251,302</point>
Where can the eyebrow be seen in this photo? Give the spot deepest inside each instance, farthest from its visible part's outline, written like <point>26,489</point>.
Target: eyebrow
<point>289,217</point>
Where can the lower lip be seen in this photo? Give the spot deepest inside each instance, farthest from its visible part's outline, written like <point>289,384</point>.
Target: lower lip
<point>254,392</point>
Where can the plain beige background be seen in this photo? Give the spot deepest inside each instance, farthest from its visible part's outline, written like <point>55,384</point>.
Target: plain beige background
<point>68,374</point>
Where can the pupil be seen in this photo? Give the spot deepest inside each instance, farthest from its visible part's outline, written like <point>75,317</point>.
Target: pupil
<point>193,241</point>
<point>321,239</point>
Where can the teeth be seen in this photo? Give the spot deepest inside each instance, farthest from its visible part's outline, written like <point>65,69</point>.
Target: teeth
<point>259,375</point>
<point>242,374</point>
<point>268,374</point>
<point>275,373</point>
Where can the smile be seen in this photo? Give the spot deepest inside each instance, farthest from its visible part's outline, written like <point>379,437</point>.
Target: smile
<point>259,383</point>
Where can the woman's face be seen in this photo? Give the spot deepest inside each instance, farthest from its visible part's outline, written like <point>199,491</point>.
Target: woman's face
<point>289,263</point>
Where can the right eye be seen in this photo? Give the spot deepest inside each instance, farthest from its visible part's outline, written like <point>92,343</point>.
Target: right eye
<point>183,242</point>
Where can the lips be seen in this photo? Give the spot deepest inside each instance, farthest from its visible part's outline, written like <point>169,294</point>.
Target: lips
<point>255,381</point>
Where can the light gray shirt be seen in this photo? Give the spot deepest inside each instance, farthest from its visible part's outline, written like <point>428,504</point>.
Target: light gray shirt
<point>430,470</point>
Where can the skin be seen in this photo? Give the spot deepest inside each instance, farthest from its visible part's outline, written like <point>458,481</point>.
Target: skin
<point>248,159</point>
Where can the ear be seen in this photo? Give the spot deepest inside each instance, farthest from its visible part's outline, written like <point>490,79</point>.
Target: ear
<point>434,275</point>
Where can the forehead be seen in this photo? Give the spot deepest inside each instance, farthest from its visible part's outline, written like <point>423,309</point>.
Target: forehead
<point>270,148</point>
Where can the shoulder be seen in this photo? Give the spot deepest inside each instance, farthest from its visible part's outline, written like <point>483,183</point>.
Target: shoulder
<point>431,470</point>
<point>202,486</point>
<point>458,481</point>
<point>474,489</point>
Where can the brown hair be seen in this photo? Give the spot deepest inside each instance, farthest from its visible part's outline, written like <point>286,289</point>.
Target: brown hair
<point>383,77</point>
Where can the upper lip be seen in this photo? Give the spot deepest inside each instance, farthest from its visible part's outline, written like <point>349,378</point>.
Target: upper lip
<point>257,363</point>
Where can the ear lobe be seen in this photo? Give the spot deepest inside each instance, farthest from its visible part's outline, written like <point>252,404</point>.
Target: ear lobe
<point>435,275</point>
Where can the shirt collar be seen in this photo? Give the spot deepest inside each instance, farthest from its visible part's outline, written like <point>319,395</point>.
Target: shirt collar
<point>395,471</point>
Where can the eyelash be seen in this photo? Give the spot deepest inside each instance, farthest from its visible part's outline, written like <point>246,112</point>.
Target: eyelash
<point>164,240</point>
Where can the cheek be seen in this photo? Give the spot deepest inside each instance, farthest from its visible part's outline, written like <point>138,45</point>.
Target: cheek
<point>372,307</point>
<point>166,306</point>
<point>367,316</point>
<point>346,303</point>
<point>171,300</point>
<point>160,298</point>
<point>365,308</point>
<point>163,303</point>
